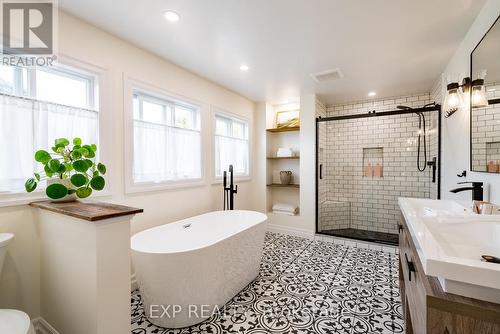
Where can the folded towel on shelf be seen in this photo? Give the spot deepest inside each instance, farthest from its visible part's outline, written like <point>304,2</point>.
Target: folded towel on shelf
<point>284,152</point>
<point>283,207</point>
<point>286,213</point>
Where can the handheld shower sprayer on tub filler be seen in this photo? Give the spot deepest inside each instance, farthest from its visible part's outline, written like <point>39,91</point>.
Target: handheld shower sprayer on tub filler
<point>230,190</point>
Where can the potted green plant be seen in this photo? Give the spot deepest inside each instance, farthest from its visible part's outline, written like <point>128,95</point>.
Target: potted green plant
<point>70,170</point>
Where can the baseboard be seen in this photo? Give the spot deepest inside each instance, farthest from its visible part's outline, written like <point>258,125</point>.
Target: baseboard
<point>299,232</point>
<point>43,327</point>
<point>133,283</point>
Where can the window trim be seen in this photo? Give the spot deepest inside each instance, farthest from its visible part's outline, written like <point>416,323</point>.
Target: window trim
<point>71,72</point>
<point>76,74</point>
<point>132,85</point>
<point>233,116</point>
<point>103,93</point>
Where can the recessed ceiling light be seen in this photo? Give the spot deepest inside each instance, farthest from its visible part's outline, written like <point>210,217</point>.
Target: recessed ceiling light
<point>171,16</point>
<point>371,94</point>
<point>244,68</point>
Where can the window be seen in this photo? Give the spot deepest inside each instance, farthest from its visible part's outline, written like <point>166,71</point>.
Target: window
<point>167,140</point>
<point>38,105</point>
<point>231,145</point>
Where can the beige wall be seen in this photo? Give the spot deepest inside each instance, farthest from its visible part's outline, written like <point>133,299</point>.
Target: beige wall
<point>20,284</point>
<point>20,281</point>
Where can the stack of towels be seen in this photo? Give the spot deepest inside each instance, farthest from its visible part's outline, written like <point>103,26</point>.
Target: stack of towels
<point>284,152</point>
<point>285,209</point>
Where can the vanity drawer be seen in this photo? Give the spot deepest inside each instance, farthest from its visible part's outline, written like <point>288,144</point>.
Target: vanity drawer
<point>413,279</point>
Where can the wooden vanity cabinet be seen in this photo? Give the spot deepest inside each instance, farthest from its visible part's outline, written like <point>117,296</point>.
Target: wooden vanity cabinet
<point>428,309</point>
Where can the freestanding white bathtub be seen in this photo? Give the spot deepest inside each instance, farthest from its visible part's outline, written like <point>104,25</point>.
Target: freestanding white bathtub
<point>187,269</point>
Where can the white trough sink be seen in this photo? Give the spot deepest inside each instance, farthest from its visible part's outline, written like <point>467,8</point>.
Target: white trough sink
<point>450,240</point>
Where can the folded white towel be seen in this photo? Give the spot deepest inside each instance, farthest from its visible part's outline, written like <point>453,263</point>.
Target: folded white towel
<point>286,213</point>
<point>285,207</point>
<point>284,152</point>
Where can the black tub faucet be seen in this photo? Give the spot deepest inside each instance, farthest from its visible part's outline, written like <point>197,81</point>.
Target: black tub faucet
<point>477,190</point>
<point>229,189</point>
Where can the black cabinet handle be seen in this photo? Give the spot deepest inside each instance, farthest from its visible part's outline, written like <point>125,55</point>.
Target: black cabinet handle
<point>400,228</point>
<point>411,267</point>
<point>321,171</point>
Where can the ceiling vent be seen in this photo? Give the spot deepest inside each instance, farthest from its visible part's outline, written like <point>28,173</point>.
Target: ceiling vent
<point>328,75</point>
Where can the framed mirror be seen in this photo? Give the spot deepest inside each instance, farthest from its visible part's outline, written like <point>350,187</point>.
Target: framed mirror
<point>485,113</point>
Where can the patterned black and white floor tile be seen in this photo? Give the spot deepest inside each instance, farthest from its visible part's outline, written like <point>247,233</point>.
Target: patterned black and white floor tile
<point>306,287</point>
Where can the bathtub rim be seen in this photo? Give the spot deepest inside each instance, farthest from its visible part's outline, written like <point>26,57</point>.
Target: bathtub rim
<point>261,221</point>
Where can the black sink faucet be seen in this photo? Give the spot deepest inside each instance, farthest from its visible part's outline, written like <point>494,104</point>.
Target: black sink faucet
<point>477,190</point>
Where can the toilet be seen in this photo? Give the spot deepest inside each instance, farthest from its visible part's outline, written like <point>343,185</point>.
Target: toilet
<point>12,321</point>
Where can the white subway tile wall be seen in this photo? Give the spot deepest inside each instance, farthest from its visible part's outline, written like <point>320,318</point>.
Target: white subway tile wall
<point>347,198</point>
<point>486,133</point>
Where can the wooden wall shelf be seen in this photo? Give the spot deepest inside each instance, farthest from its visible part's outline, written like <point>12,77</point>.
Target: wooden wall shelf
<point>297,128</point>
<point>279,185</point>
<point>283,158</point>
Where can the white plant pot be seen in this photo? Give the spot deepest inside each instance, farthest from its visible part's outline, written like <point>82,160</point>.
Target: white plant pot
<point>67,184</point>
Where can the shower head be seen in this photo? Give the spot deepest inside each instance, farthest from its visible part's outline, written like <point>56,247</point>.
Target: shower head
<point>404,107</point>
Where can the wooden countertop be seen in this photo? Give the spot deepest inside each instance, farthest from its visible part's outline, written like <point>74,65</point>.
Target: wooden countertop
<point>88,210</point>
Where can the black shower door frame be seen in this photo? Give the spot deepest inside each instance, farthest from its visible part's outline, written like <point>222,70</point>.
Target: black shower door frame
<point>435,108</point>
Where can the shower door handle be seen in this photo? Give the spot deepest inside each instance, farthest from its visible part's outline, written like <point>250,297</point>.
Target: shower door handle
<point>321,171</point>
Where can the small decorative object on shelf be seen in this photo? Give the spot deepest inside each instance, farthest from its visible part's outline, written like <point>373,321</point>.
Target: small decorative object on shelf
<point>287,119</point>
<point>285,177</point>
<point>70,171</point>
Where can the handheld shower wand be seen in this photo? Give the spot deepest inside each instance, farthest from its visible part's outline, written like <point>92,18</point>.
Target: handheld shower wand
<point>422,133</point>
<point>421,119</point>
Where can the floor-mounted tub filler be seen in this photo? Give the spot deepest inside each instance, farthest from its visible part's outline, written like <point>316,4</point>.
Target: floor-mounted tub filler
<point>188,269</point>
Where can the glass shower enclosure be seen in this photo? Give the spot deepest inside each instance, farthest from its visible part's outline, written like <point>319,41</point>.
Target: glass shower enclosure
<point>365,162</point>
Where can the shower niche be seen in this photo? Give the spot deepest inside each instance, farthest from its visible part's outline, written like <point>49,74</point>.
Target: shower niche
<point>373,162</point>
<point>493,157</point>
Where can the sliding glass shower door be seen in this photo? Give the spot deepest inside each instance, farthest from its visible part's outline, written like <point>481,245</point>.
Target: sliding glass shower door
<point>366,162</point>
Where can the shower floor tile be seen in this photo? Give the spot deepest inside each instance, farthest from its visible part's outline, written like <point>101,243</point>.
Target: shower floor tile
<point>320,287</point>
<point>365,235</point>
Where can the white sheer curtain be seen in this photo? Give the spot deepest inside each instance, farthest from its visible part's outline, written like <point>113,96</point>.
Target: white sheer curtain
<point>27,125</point>
<point>165,153</point>
<point>231,151</point>
<point>17,140</point>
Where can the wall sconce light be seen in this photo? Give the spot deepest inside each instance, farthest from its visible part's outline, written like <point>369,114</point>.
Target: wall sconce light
<point>454,99</point>
<point>478,95</point>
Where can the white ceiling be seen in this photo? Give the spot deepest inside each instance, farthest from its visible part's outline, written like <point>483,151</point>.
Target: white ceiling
<point>394,47</point>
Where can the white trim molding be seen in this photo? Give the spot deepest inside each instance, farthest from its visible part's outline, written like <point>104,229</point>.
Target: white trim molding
<point>43,327</point>
<point>214,111</point>
<point>299,232</point>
